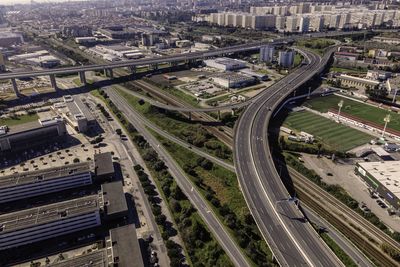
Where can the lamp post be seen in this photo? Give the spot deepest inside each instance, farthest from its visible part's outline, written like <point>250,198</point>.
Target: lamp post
<point>340,105</point>
<point>386,120</point>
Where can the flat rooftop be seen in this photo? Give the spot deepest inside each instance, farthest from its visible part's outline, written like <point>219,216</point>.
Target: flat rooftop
<point>44,174</point>
<point>48,213</point>
<point>82,107</point>
<point>103,164</point>
<point>357,79</point>
<point>24,127</point>
<point>228,61</point>
<point>386,172</point>
<point>96,258</point>
<point>233,77</point>
<point>114,196</point>
<point>125,247</point>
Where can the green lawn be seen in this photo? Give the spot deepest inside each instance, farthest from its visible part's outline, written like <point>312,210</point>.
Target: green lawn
<point>19,120</point>
<point>360,110</point>
<point>297,59</point>
<point>332,134</point>
<point>184,96</point>
<point>317,45</point>
<point>348,70</point>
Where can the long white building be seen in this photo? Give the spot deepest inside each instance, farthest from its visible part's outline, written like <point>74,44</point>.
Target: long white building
<point>33,225</point>
<point>332,16</point>
<point>29,184</point>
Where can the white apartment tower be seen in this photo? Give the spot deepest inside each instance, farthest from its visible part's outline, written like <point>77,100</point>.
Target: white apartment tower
<point>304,24</point>
<point>286,59</point>
<point>267,53</point>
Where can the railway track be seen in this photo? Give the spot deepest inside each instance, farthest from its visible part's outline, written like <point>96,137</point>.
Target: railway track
<point>225,135</point>
<point>362,233</point>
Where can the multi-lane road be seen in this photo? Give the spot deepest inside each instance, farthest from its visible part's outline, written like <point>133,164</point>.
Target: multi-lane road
<point>142,62</point>
<point>221,234</point>
<point>291,238</point>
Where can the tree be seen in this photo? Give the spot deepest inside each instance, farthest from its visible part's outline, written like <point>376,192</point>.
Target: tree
<point>161,219</point>
<point>376,92</point>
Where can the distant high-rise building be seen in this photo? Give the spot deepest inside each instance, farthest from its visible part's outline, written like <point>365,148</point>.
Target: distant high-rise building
<point>267,53</point>
<point>291,24</point>
<point>304,24</point>
<point>2,18</point>
<point>2,63</point>
<point>286,59</point>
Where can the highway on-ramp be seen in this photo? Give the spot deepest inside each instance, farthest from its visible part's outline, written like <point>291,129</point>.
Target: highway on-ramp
<point>292,240</point>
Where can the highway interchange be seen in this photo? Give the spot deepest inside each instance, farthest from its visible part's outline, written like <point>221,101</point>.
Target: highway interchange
<point>292,239</point>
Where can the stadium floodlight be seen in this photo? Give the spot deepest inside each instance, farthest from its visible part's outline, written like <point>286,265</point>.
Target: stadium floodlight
<point>386,120</point>
<point>340,105</point>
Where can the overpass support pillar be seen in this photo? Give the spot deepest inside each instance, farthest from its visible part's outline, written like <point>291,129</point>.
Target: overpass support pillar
<point>190,116</point>
<point>109,73</point>
<point>82,77</point>
<point>219,115</point>
<point>233,112</point>
<point>15,87</point>
<point>53,82</point>
<point>154,66</point>
<point>132,69</point>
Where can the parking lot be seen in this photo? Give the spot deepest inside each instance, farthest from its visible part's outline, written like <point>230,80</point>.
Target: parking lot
<point>343,174</point>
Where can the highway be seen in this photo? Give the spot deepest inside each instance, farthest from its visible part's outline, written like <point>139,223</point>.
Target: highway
<point>141,62</point>
<point>203,208</point>
<point>172,58</point>
<point>291,238</point>
<point>342,241</point>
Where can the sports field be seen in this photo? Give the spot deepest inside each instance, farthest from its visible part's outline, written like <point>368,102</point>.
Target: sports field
<point>335,136</point>
<point>360,110</point>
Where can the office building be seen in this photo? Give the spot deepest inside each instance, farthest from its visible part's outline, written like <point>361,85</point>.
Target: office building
<point>383,178</point>
<point>75,113</point>
<point>226,64</point>
<point>233,80</point>
<point>356,82</point>
<point>113,199</point>
<point>8,39</point>
<point>103,166</point>
<point>36,224</point>
<point>49,221</point>
<point>26,135</point>
<point>121,249</point>
<point>34,183</point>
<point>124,247</point>
<point>286,59</point>
<point>267,53</point>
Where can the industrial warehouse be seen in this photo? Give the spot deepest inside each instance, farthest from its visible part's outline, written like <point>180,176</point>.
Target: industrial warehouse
<point>383,178</point>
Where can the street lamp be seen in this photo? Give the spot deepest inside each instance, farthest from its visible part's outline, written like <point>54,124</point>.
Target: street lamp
<point>340,105</point>
<point>386,120</point>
